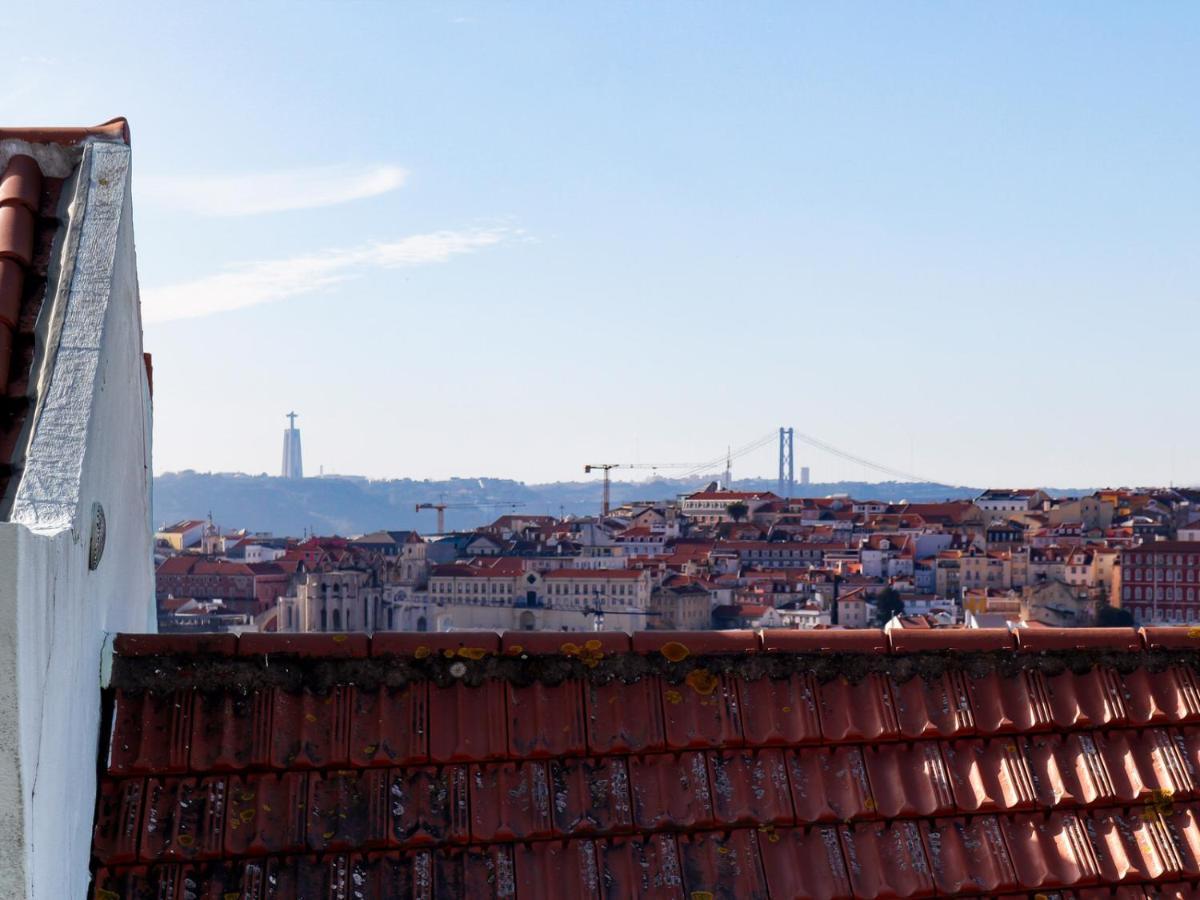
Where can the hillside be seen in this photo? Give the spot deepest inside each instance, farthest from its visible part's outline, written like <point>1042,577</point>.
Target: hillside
<point>353,506</point>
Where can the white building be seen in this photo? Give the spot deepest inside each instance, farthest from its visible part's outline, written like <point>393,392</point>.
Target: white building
<point>853,609</point>
<point>711,506</point>
<point>510,593</point>
<point>1011,500</point>
<point>75,530</point>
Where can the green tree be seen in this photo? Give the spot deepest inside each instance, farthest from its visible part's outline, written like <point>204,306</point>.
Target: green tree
<point>888,603</point>
<point>737,510</point>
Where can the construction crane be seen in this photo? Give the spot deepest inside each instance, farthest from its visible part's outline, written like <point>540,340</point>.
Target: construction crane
<point>607,467</point>
<point>442,507</point>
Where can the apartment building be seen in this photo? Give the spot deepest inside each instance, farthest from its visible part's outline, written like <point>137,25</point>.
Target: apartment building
<point>1160,582</point>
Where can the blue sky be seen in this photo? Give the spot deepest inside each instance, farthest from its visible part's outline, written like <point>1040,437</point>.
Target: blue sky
<point>509,239</point>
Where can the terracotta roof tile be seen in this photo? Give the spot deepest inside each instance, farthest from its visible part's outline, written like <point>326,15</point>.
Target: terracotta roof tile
<point>25,238</point>
<point>624,718</point>
<point>872,768</point>
<point>113,130</point>
<point>304,645</point>
<point>419,643</point>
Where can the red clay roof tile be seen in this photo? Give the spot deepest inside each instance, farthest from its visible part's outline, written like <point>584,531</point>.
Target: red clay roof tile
<point>780,711</point>
<point>836,640</point>
<point>968,856</point>
<point>750,787</point>
<point>420,643</point>
<point>671,791</point>
<point>175,644</point>
<point>467,723</point>
<point>514,643</point>
<point>641,865</point>
<point>510,801</point>
<point>546,720</point>
<point>550,870</point>
<point>1040,639</point>
<point>722,864</point>
<point>151,733</point>
<point>678,645</point>
<point>118,821</point>
<point>325,646</point>
<point>857,711</point>
<point>1161,638</point>
<point>954,640</point>
<point>804,862</point>
<point>113,130</point>
<point>29,221</point>
<point>908,780</point>
<point>310,730</point>
<point>591,795</point>
<point>886,859</point>
<point>702,712</point>
<point>769,774</point>
<point>624,718</point>
<point>429,806</point>
<point>934,706</point>
<point>266,813</point>
<point>388,726</point>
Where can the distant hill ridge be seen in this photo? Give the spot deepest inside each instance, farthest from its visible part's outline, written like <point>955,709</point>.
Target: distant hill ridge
<point>345,505</point>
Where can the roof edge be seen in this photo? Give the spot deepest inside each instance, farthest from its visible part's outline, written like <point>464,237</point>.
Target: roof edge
<point>114,131</point>
<point>671,645</point>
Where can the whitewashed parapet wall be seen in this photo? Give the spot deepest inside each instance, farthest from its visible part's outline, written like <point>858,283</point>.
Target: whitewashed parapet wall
<point>89,444</point>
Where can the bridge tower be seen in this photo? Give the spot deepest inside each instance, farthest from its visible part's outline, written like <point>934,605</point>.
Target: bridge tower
<point>787,464</point>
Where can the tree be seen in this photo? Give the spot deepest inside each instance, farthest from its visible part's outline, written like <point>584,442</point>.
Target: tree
<point>1113,617</point>
<point>888,603</point>
<point>737,510</point>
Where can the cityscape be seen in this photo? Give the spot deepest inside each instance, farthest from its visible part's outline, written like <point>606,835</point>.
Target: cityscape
<point>714,558</point>
<point>729,452</point>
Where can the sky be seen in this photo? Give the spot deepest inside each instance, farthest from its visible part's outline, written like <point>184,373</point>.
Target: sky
<point>509,239</point>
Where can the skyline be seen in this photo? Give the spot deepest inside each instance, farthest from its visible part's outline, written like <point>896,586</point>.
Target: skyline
<point>954,242</point>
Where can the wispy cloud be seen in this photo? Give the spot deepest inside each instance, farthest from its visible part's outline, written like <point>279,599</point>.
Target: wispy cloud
<point>269,281</point>
<point>268,192</point>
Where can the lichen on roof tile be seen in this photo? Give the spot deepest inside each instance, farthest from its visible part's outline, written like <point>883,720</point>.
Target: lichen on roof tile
<point>917,798</point>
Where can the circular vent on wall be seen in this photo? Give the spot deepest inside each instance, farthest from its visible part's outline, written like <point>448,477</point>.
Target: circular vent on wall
<point>98,536</point>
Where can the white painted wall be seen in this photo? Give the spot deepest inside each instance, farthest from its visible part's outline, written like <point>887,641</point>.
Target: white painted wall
<point>90,442</point>
<point>930,544</point>
<point>257,553</point>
